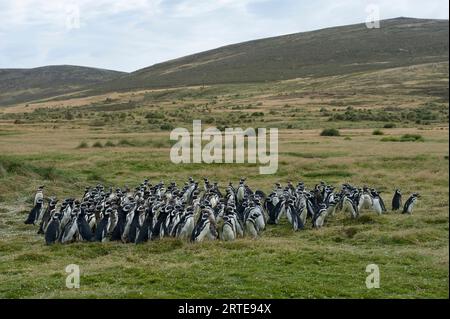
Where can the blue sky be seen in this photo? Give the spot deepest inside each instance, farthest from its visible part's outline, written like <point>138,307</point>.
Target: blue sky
<point>128,35</point>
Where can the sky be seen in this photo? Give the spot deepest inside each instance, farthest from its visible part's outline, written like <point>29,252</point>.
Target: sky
<point>128,35</point>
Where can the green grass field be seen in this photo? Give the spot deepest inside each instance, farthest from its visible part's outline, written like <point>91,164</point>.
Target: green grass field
<point>52,142</point>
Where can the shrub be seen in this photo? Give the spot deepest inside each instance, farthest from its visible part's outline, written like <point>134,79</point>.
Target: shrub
<point>330,132</point>
<point>97,123</point>
<point>377,132</point>
<point>97,144</point>
<point>109,144</point>
<point>83,145</point>
<point>404,138</point>
<point>412,138</point>
<point>389,125</point>
<point>166,127</point>
<point>124,142</point>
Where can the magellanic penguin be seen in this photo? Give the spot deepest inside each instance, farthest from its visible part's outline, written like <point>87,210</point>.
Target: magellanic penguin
<point>102,229</point>
<point>397,200</point>
<point>46,218</point>
<point>39,194</point>
<point>84,230</point>
<point>228,230</point>
<point>70,230</point>
<point>377,202</point>
<point>145,232</point>
<point>33,216</point>
<point>186,225</point>
<point>410,203</point>
<point>320,217</point>
<point>205,229</point>
<point>53,230</point>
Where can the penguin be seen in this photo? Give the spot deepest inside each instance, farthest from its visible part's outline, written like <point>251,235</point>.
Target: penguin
<point>410,203</point>
<point>320,217</point>
<point>365,201</point>
<point>53,230</point>
<point>39,194</point>
<point>102,227</point>
<point>46,218</point>
<point>397,200</point>
<point>228,230</point>
<point>293,216</point>
<point>186,225</point>
<point>135,226</point>
<point>120,226</point>
<point>70,230</point>
<point>349,206</point>
<point>377,202</point>
<point>145,232</point>
<point>33,216</point>
<point>84,230</point>
<point>205,229</point>
<point>251,226</point>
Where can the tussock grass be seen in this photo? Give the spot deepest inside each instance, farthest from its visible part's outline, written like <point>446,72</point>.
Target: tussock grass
<point>404,138</point>
<point>330,132</point>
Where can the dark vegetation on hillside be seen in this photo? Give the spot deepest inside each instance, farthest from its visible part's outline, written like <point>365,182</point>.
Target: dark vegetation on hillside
<point>332,51</point>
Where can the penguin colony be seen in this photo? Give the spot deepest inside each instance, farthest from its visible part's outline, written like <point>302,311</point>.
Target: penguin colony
<point>194,213</point>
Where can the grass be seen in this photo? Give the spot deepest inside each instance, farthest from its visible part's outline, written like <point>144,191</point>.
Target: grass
<point>411,251</point>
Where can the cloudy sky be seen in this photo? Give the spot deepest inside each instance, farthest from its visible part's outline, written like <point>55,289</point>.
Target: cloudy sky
<point>131,34</point>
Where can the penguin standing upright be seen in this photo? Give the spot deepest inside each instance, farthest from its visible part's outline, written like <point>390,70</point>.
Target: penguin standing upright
<point>397,200</point>
<point>33,216</point>
<point>102,229</point>
<point>47,215</point>
<point>53,230</point>
<point>410,203</point>
<point>84,230</point>
<point>39,194</point>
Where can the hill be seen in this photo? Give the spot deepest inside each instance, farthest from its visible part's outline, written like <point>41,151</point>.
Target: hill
<point>332,51</point>
<point>20,85</point>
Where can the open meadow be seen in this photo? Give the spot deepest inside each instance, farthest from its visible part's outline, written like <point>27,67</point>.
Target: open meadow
<point>393,134</point>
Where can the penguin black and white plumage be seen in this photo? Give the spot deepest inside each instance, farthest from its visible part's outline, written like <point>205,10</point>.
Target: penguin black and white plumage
<point>135,225</point>
<point>205,229</point>
<point>397,200</point>
<point>39,194</point>
<point>186,225</point>
<point>377,202</point>
<point>102,228</point>
<point>33,216</point>
<point>293,216</point>
<point>320,217</point>
<point>228,230</point>
<point>120,225</point>
<point>145,232</point>
<point>84,230</point>
<point>46,217</point>
<point>70,231</point>
<point>53,230</point>
<point>251,225</point>
<point>410,203</point>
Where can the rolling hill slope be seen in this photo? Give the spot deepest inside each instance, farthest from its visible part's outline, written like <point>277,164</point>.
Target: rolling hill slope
<point>332,51</point>
<point>20,85</point>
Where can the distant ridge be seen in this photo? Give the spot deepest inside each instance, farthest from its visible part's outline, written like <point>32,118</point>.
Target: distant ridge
<point>19,85</point>
<point>331,51</point>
